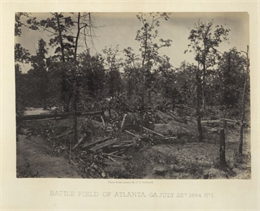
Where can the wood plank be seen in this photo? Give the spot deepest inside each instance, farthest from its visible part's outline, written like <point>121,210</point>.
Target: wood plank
<point>105,144</point>
<point>90,144</point>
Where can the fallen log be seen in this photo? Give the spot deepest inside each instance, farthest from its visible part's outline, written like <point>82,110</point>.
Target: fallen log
<point>177,119</point>
<point>48,116</point>
<point>105,144</point>
<point>114,160</point>
<point>158,134</point>
<point>111,155</point>
<point>132,134</point>
<point>87,145</point>
<point>219,121</point>
<point>210,121</point>
<point>122,145</point>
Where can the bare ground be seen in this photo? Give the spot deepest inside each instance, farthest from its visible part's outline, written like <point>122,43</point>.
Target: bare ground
<point>35,159</point>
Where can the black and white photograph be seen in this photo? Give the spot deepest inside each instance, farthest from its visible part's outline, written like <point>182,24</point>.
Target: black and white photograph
<point>132,95</point>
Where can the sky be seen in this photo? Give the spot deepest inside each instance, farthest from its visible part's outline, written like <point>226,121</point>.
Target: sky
<point>120,29</point>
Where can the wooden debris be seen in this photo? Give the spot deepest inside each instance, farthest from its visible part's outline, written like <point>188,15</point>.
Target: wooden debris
<point>123,122</point>
<point>122,145</point>
<point>176,118</point>
<point>218,121</point>
<point>210,121</point>
<point>113,160</point>
<point>105,144</point>
<point>149,130</point>
<point>79,142</point>
<point>161,119</point>
<point>171,137</point>
<point>87,145</point>
<point>132,134</point>
<point>64,134</point>
<point>103,121</point>
<point>111,155</point>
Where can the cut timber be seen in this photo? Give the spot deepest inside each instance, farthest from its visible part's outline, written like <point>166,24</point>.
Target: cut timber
<point>47,116</point>
<point>87,145</point>
<point>158,134</point>
<point>105,144</point>
<point>132,134</point>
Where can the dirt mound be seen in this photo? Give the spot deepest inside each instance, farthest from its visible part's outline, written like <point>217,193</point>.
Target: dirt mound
<point>174,128</point>
<point>35,159</point>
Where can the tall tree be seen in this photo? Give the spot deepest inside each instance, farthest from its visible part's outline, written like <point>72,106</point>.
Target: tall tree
<point>92,72</point>
<point>204,40</point>
<point>243,102</point>
<point>39,73</point>
<point>21,56</point>
<point>19,22</point>
<point>113,65</point>
<point>66,30</point>
<point>147,37</point>
<point>231,71</point>
<point>130,71</point>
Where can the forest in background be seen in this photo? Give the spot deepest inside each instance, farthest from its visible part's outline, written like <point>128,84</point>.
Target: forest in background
<point>130,88</point>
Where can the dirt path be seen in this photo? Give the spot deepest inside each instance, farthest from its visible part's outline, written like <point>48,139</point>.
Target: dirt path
<point>34,159</point>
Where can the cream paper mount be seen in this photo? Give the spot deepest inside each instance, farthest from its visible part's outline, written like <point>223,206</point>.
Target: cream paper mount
<point>123,194</point>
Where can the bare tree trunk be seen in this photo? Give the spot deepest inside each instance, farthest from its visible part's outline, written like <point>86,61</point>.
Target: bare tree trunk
<point>142,109</point>
<point>203,90</point>
<point>60,38</point>
<point>243,107</point>
<point>198,108</point>
<point>75,84</point>
<point>77,37</point>
<point>143,84</point>
<point>75,122</point>
<point>75,126</point>
<point>203,79</point>
<point>242,120</point>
